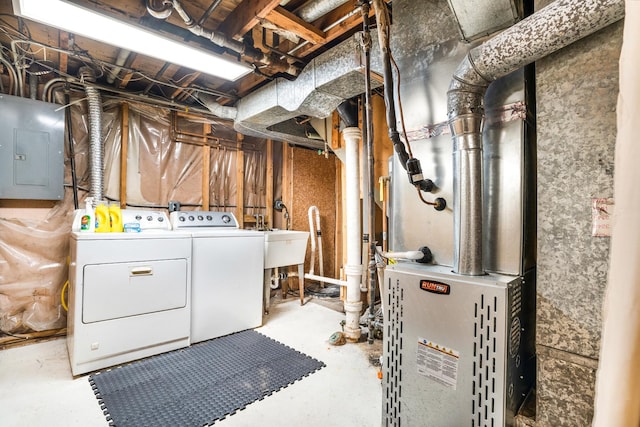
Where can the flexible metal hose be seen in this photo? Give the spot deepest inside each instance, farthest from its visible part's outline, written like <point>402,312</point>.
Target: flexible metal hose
<point>96,152</point>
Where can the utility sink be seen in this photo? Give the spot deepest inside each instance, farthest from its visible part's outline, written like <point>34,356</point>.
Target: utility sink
<point>284,247</point>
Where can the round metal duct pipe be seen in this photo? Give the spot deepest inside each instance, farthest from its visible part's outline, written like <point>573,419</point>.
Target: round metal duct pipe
<point>550,29</point>
<point>96,151</point>
<point>317,9</point>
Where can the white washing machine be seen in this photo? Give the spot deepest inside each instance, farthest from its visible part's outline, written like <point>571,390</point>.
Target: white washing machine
<point>129,293</point>
<point>227,273</point>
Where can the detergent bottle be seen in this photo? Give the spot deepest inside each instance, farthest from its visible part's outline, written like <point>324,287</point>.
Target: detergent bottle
<point>115,218</point>
<point>102,218</point>
<point>87,221</point>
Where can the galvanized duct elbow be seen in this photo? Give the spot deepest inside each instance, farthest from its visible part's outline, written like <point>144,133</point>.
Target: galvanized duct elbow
<point>328,80</point>
<point>217,109</point>
<point>96,152</point>
<point>550,29</point>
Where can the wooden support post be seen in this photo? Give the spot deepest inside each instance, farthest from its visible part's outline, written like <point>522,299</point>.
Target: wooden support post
<point>343,209</point>
<point>240,181</point>
<point>124,152</point>
<point>269,183</point>
<point>206,167</point>
<point>335,131</point>
<point>63,59</point>
<point>339,237</point>
<point>287,180</point>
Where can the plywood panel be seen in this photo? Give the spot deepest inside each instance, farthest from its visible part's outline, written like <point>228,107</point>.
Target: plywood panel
<point>314,184</point>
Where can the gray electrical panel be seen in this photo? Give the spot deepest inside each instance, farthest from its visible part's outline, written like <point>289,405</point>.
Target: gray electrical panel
<point>31,149</point>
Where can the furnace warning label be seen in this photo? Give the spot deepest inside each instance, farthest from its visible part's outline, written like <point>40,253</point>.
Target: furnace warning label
<point>438,362</point>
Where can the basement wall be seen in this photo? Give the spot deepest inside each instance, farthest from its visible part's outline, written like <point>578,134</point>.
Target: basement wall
<point>310,180</point>
<point>34,235</point>
<point>577,89</point>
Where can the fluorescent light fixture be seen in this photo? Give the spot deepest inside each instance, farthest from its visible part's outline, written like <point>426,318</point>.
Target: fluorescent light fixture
<point>82,21</point>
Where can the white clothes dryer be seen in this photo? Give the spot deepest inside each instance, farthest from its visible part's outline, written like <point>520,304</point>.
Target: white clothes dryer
<point>129,293</point>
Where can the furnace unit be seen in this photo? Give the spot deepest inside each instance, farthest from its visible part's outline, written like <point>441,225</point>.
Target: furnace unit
<point>458,350</point>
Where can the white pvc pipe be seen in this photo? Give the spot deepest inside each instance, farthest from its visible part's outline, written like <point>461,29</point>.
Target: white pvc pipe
<point>123,54</point>
<point>325,279</point>
<point>315,232</point>
<point>403,255</point>
<point>319,235</point>
<point>353,268</point>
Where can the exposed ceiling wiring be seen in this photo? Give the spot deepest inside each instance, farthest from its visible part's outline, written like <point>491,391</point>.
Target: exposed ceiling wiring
<point>19,39</point>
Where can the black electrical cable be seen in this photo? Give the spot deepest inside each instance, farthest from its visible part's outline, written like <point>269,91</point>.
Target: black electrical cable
<point>72,154</point>
<point>408,162</point>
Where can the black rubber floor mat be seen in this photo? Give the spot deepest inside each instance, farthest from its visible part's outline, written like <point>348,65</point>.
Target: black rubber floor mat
<point>200,384</point>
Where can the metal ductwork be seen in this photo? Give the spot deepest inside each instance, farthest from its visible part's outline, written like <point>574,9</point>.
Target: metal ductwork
<point>96,151</point>
<point>326,82</point>
<point>478,19</point>
<point>550,29</point>
<point>317,9</point>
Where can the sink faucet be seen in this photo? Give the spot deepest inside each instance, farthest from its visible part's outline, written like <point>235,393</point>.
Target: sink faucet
<point>260,225</point>
<point>279,206</point>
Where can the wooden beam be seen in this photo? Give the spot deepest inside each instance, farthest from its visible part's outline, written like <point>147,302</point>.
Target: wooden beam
<point>340,236</point>
<point>206,167</point>
<point>246,16</point>
<point>287,181</point>
<point>245,86</point>
<point>287,20</point>
<point>269,190</point>
<point>347,25</point>
<point>131,59</point>
<point>240,181</point>
<point>30,338</point>
<point>124,152</point>
<point>63,58</point>
<point>335,131</point>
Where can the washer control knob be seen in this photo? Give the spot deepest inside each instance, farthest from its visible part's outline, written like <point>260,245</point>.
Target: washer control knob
<point>226,219</point>
<point>181,218</point>
<point>200,217</point>
<point>149,218</point>
<point>160,219</point>
<point>138,217</point>
<point>191,218</point>
<point>209,217</point>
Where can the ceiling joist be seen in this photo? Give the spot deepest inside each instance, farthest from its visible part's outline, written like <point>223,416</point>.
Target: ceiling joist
<point>285,19</point>
<point>246,16</point>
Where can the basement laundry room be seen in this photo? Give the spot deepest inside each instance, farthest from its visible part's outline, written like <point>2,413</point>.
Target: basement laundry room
<point>352,213</point>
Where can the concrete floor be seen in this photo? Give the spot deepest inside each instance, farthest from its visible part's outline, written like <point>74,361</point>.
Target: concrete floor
<point>37,389</point>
